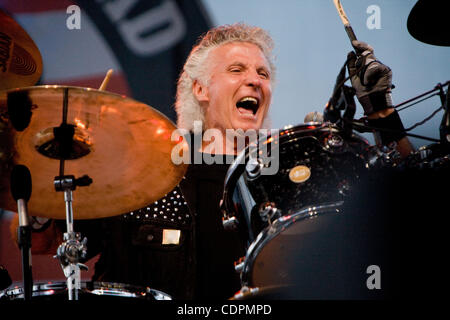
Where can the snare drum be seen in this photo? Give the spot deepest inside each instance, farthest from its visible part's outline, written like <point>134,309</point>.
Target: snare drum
<point>296,221</point>
<point>51,291</point>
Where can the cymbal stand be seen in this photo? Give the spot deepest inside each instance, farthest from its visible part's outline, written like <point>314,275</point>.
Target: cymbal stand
<point>72,248</point>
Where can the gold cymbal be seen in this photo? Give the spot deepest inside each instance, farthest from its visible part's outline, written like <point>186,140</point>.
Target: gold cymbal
<point>20,59</point>
<point>123,145</point>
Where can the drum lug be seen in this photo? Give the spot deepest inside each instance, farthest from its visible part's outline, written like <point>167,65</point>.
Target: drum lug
<point>239,264</point>
<point>230,223</point>
<point>334,141</point>
<point>269,212</point>
<point>253,168</point>
<point>424,153</point>
<point>72,249</point>
<point>245,292</point>
<point>384,156</point>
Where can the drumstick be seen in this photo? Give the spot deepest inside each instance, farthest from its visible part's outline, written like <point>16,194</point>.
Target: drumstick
<point>348,27</point>
<point>106,80</point>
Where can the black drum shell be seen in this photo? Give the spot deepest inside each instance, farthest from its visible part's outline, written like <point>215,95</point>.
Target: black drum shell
<point>333,169</point>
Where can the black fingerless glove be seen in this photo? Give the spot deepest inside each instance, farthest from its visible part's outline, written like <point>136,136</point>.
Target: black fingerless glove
<point>371,79</point>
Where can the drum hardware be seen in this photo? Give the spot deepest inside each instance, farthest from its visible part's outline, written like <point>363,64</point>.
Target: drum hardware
<point>444,128</point>
<point>72,249</point>
<point>239,264</point>
<point>384,156</point>
<point>361,125</point>
<point>334,141</point>
<point>245,292</point>
<point>230,223</point>
<point>268,212</point>
<point>424,153</point>
<point>433,156</point>
<point>253,168</point>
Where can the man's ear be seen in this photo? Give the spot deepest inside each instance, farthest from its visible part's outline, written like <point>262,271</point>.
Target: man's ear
<point>200,91</point>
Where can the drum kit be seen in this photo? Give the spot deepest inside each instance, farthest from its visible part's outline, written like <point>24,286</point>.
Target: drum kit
<point>66,137</point>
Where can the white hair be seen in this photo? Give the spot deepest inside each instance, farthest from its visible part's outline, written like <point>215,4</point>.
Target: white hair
<point>187,106</point>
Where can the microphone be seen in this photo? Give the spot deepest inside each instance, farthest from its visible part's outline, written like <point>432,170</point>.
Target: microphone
<point>313,116</point>
<point>444,128</point>
<point>332,111</point>
<point>21,191</point>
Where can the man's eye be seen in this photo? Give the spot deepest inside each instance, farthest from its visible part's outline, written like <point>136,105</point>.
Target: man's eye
<point>264,74</point>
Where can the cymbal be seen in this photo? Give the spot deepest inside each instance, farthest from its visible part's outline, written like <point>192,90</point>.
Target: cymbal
<point>427,22</point>
<point>123,145</point>
<point>20,59</point>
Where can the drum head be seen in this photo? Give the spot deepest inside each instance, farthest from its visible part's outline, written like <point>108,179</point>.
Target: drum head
<point>324,256</point>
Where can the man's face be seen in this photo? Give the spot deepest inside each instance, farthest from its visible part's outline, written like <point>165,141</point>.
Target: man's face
<point>239,90</point>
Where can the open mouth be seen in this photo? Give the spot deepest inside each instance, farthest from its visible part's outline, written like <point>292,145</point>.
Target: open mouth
<point>248,105</point>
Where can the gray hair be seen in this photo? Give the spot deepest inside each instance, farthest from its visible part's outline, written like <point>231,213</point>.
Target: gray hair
<point>187,106</point>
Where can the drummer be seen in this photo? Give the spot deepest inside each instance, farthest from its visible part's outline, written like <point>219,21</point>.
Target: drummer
<point>226,83</point>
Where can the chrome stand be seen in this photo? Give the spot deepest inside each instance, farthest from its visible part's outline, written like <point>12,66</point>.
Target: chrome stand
<point>73,248</point>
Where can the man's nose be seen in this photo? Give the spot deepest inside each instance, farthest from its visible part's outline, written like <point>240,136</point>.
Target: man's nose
<point>253,79</point>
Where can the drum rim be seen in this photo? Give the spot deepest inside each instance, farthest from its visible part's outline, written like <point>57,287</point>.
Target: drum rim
<point>275,228</point>
<point>98,288</point>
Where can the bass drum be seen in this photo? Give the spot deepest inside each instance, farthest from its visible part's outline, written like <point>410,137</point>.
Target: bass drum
<point>304,240</point>
<point>90,291</point>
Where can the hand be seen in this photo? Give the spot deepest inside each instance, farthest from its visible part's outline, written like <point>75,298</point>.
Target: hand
<point>371,79</point>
